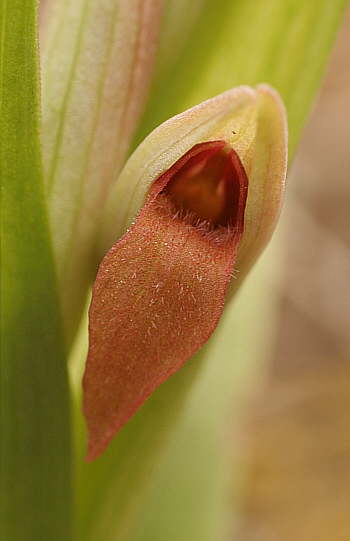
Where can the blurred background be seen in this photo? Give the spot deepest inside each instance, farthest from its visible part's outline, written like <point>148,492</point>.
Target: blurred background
<point>298,431</point>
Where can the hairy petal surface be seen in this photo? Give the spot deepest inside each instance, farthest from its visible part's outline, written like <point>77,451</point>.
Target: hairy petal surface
<point>160,290</point>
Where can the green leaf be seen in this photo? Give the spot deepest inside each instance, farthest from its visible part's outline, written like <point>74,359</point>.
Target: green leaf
<point>97,63</point>
<point>285,44</point>
<point>35,409</point>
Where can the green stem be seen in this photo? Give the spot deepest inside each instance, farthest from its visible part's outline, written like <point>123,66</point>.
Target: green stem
<point>35,405</point>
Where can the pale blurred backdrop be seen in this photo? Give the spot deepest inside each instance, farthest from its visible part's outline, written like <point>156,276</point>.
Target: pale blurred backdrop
<point>298,433</point>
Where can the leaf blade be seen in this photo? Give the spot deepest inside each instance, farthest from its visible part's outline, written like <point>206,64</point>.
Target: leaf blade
<point>97,62</point>
<point>35,411</point>
<point>285,44</point>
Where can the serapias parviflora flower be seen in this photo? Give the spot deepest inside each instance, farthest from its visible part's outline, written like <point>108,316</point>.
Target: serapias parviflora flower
<point>207,187</point>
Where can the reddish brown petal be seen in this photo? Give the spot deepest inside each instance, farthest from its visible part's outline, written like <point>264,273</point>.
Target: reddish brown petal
<point>160,290</point>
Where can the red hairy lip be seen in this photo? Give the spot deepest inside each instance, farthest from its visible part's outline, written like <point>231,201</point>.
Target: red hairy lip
<point>160,290</point>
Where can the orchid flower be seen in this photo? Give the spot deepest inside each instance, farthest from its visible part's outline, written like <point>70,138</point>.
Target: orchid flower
<point>219,169</point>
<point>212,180</point>
<point>145,167</point>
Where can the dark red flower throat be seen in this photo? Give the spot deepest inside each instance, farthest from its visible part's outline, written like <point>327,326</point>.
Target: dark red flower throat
<point>208,184</point>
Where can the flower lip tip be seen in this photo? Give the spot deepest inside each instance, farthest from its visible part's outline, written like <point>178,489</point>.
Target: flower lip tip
<point>95,447</point>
